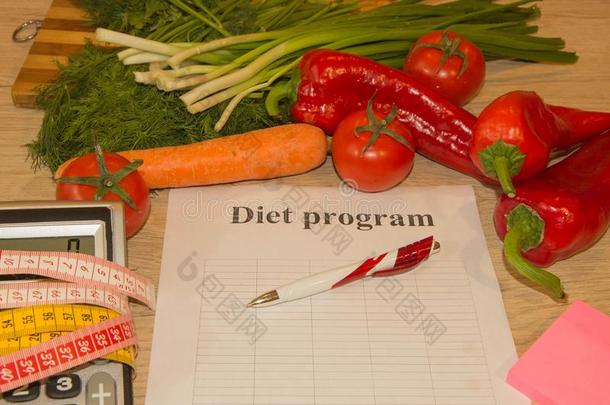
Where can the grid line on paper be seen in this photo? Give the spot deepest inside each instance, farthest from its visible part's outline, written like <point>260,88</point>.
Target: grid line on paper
<point>482,345</point>
<point>316,349</point>
<point>368,333</point>
<point>427,351</point>
<point>478,334</point>
<point>198,328</point>
<point>313,358</point>
<point>254,357</point>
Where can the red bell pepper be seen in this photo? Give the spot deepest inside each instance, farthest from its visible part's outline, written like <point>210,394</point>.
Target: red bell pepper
<point>562,211</point>
<point>516,134</point>
<point>333,84</point>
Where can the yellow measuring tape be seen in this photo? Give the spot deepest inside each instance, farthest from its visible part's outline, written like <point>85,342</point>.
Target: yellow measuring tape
<point>22,328</point>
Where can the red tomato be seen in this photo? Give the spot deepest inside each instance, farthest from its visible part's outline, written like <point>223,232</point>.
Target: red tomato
<point>448,63</point>
<point>132,184</point>
<point>381,165</point>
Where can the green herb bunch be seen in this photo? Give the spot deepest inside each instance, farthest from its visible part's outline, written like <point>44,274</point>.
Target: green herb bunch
<point>133,16</point>
<point>95,100</point>
<point>236,66</point>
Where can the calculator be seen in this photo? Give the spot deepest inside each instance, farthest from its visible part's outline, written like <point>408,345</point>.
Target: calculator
<point>91,227</point>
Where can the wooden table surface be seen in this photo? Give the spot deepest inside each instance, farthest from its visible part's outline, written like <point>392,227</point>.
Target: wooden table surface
<point>584,26</point>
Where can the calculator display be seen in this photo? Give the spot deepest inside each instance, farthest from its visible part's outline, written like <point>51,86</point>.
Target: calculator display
<point>77,244</point>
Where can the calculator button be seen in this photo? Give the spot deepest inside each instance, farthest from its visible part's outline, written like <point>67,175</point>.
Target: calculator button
<point>63,386</point>
<point>23,394</point>
<point>101,390</point>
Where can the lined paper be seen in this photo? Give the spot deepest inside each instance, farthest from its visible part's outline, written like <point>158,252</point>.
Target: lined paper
<point>437,335</point>
<point>349,346</point>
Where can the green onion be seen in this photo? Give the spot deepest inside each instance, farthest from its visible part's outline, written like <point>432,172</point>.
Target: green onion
<point>225,56</point>
<point>384,33</point>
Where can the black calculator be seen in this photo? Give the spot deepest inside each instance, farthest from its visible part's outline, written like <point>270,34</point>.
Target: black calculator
<point>95,228</point>
<point>101,382</point>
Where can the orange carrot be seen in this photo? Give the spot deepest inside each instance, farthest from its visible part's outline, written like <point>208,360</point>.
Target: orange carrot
<point>262,154</point>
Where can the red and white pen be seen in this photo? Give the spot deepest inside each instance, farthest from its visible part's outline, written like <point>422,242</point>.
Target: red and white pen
<point>391,263</point>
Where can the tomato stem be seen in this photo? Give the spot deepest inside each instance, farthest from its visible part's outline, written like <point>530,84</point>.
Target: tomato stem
<point>448,48</point>
<point>378,128</point>
<point>107,182</point>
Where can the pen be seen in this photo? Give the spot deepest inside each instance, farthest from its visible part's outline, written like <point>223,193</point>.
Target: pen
<point>386,264</point>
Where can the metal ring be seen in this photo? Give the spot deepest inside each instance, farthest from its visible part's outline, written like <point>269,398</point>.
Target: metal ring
<point>36,23</point>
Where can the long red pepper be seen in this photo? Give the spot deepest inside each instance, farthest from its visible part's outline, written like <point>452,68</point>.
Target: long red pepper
<point>333,84</point>
<point>516,134</point>
<point>562,211</point>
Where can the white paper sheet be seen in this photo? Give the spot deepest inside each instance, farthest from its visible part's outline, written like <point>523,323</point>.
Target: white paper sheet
<point>437,335</point>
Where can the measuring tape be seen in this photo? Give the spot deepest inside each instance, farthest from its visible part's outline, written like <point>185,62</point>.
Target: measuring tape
<point>65,352</point>
<point>19,322</point>
<point>81,269</point>
<point>47,327</point>
<point>16,295</point>
<point>125,355</point>
<point>26,327</point>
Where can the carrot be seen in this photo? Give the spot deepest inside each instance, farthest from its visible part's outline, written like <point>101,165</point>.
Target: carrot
<point>262,154</point>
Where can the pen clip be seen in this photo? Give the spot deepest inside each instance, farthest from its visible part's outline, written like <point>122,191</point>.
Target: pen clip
<point>410,256</point>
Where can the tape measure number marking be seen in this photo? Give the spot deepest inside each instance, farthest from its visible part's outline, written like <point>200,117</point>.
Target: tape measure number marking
<point>125,355</point>
<point>16,295</point>
<point>19,322</point>
<point>79,268</point>
<point>64,352</point>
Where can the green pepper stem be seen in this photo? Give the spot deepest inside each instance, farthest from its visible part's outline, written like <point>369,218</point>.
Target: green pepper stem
<point>502,168</point>
<point>277,93</point>
<point>502,161</point>
<point>512,252</point>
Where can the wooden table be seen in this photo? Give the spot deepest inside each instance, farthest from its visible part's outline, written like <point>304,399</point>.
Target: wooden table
<point>584,26</point>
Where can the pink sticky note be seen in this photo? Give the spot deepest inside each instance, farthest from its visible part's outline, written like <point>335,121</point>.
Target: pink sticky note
<point>570,363</point>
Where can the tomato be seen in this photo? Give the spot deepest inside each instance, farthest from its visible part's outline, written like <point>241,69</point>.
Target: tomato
<point>371,154</point>
<point>85,179</point>
<point>448,63</point>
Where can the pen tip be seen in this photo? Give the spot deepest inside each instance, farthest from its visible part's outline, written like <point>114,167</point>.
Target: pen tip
<point>265,298</point>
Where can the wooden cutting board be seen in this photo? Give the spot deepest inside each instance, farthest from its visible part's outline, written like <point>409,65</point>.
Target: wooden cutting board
<point>63,32</point>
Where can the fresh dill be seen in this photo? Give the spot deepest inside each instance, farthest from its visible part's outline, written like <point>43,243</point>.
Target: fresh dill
<point>95,100</point>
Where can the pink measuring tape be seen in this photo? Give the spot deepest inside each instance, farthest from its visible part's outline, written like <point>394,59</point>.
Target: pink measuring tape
<point>65,352</point>
<point>17,295</point>
<point>81,269</point>
<point>85,280</point>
